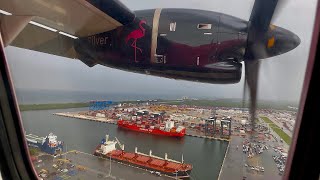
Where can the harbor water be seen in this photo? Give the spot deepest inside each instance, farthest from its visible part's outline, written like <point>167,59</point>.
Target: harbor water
<point>205,155</point>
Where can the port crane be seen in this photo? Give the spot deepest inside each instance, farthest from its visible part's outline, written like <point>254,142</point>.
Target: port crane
<point>119,143</point>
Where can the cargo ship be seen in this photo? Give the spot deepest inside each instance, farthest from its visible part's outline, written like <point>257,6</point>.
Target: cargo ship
<point>170,167</point>
<point>48,144</point>
<point>164,129</point>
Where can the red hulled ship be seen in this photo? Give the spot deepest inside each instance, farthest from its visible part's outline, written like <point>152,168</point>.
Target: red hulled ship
<point>150,162</point>
<point>165,129</point>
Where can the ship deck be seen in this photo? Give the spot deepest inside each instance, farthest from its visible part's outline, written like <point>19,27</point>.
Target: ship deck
<point>150,162</point>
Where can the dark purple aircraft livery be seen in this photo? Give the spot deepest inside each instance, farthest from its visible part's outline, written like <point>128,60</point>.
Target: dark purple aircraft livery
<point>185,44</point>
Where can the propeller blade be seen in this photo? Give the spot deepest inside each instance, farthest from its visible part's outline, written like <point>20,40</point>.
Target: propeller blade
<point>251,73</point>
<point>244,98</point>
<point>259,23</point>
<point>280,6</point>
<point>258,26</point>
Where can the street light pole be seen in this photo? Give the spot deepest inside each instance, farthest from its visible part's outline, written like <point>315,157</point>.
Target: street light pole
<point>110,167</point>
<point>176,174</point>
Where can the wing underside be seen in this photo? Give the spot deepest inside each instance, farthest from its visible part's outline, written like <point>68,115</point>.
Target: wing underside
<point>52,26</point>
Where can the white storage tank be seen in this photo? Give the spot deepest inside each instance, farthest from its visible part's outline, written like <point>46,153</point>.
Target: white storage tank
<point>100,115</point>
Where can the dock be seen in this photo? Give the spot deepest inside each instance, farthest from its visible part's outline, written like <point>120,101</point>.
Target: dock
<point>209,137</point>
<point>79,165</point>
<point>89,118</point>
<point>225,155</point>
<point>112,121</point>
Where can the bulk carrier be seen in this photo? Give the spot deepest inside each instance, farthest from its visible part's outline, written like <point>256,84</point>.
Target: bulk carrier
<point>107,149</point>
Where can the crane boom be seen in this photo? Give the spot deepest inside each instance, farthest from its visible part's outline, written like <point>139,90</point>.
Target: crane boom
<point>121,145</point>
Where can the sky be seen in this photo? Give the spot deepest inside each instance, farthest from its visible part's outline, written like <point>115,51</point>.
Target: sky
<point>280,78</point>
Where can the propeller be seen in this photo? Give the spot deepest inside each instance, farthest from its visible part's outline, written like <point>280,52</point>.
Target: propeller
<point>280,6</point>
<point>244,99</point>
<point>258,26</point>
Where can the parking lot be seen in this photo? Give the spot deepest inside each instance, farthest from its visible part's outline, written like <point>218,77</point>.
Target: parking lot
<point>254,156</point>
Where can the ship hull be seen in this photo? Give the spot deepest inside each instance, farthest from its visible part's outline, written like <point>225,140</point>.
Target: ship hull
<point>159,132</point>
<point>46,146</point>
<point>180,174</point>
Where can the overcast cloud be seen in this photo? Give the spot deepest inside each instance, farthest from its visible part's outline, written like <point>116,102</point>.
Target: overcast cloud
<point>281,77</point>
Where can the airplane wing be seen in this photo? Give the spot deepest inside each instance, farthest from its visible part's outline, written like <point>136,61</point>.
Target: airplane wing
<point>51,26</point>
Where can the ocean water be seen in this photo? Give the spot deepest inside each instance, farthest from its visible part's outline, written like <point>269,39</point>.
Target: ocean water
<point>60,96</point>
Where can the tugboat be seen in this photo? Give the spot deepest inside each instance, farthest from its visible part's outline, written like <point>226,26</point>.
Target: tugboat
<point>170,167</point>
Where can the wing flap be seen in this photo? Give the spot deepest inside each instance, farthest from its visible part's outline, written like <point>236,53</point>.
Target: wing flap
<point>42,40</point>
<point>76,17</point>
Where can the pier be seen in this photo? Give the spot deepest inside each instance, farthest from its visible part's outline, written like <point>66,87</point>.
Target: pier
<point>89,118</point>
<point>112,121</point>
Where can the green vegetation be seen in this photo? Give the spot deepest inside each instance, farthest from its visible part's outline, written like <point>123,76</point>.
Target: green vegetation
<point>222,103</point>
<point>237,103</point>
<point>278,130</point>
<point>33,151</point>
<point>32,107</point>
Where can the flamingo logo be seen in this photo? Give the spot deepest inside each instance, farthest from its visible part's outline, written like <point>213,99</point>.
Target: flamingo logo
<point>135,35</point>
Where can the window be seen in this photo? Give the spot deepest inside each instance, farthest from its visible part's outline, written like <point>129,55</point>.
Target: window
<point>173,26</point>
<point>204,26</point>
<point>71,111</point>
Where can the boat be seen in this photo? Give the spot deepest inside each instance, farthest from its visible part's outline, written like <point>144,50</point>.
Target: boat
<point>48,144</point>
<point>164,129</point>
<point>170,167</point>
